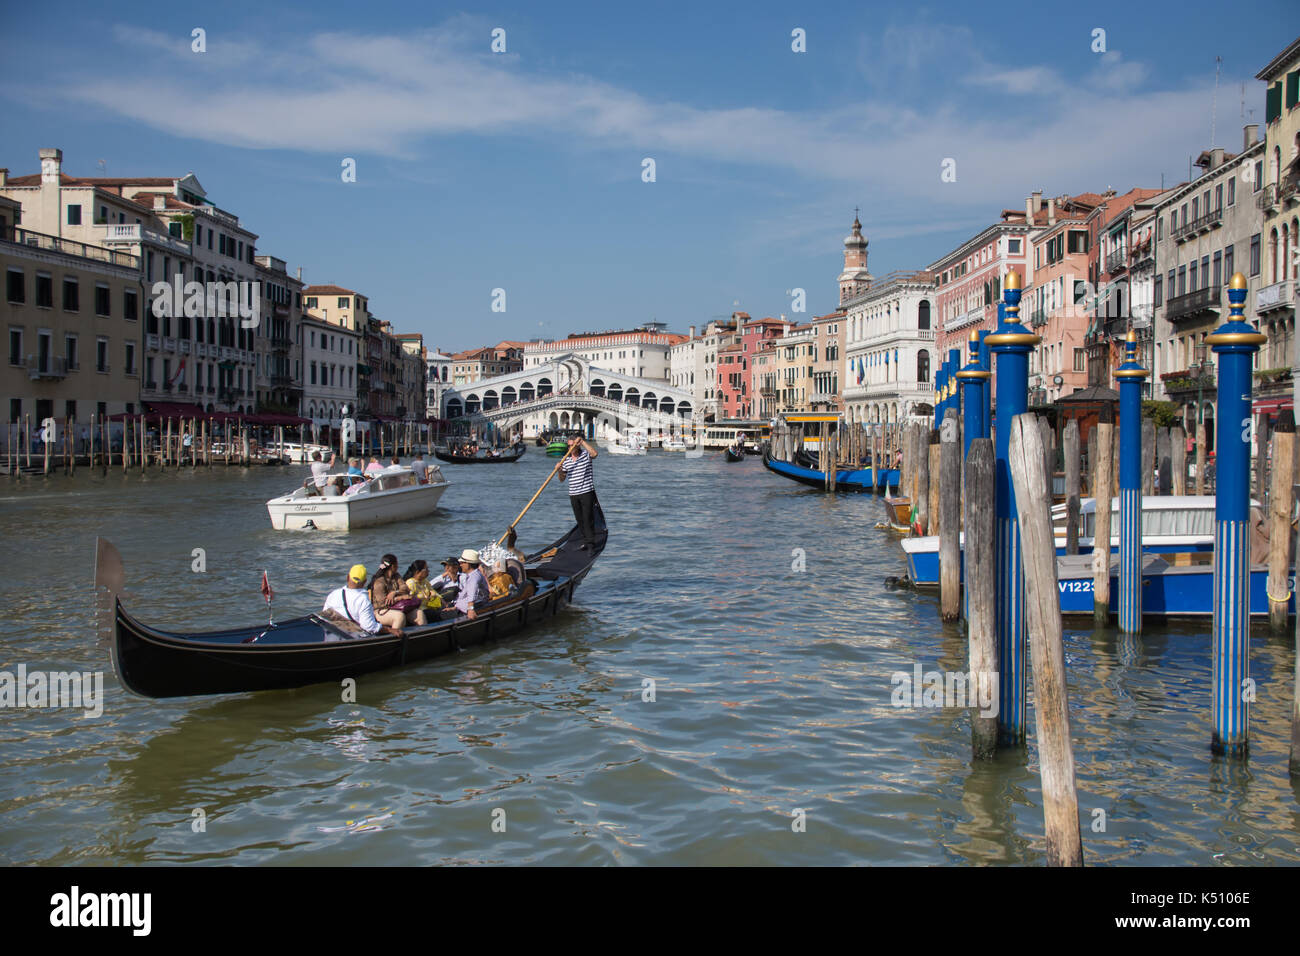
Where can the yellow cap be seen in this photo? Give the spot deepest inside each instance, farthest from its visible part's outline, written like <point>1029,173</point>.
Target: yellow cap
<point>358,573</point>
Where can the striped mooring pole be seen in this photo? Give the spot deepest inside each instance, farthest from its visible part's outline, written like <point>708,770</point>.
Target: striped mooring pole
<point>1011,343</point>
<point>940,383</point>
<point>1130,375</point>
<point>973,379</point>
<point>986,363</point>
<point>1235,343</point>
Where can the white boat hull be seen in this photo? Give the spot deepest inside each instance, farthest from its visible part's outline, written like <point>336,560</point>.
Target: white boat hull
<point>297,511</point>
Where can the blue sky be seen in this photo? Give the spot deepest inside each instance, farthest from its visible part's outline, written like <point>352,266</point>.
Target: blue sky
<point>522,170</point>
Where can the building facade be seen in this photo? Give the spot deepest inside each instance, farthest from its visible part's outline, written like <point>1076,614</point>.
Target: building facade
<point>330,355</point>
<point>968,280</point>
<point>72,319</point>
<point>890,349</point>
<point>1206,230</point>
<point>1279,201</point>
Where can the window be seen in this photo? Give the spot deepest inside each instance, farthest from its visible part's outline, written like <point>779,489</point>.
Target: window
<point>1227,262</point>
<point>130,358</point>
<point>74,215</point>
<point>44,290</point>
<point>1159,289</point>
<point>311,302</point>
<point>1218,268</point>
<point>1013,247</point>
<point>1259,175</point>
<point>1079,359</point>
<point>923,366</point>
<point>15,346</point>
<point>1205,271</point>
<point>1196,205</point>
<point>343,302</point>
<point>71,295</point>
<point>1192,276</point>
<point>1218,198</point>
<point>101,354</point>
<point>1254,254</point>
<point>15,288</point>
<point>102,307</point>
<point>1182,280</point>
<point>1232,190</point>
<point>70,352</point>
<point>130,304</point>
<point>1078,240</point>
<point>1184,214</point>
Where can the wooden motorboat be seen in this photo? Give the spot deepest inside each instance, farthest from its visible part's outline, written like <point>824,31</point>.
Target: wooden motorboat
<point>308,650</point>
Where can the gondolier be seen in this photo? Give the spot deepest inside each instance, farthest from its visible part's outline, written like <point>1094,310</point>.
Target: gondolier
<point>576,470</point>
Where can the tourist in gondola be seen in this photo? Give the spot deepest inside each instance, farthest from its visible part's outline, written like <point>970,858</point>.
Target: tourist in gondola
<point>577,472</point>
<point>352,603</point>
<point>389,593</point>
<point>448,582</point>
<point>473,587</point>
<point>417,582</point>
<point>511,538</point>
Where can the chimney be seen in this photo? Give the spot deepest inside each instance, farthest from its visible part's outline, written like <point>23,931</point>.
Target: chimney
<point>159,201</point>
<point>4,175</point>
<point>1249,133</point>
<point>1029,210</point>
<point>1051,211</point>
<point>1038,201</point>
<point>692,331</point>
<point>51,165</point>
<point>300,273</point>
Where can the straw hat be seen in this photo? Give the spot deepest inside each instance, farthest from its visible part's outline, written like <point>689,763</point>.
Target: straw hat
<point>469,556</point>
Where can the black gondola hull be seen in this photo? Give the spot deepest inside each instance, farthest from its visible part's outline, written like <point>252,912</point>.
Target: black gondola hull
<point>733,455</point>
<point>307,650</point>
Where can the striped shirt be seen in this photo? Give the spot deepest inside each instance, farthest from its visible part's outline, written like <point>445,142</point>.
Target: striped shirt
<point>577,472</point>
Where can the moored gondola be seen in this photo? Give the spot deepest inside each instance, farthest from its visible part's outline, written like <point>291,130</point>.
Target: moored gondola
<point>311,649</point>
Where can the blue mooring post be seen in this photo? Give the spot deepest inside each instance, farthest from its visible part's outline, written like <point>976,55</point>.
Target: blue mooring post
<point>1011,343</point>
<point>940,377</point>
<point>1130,375</point>
<point>973,379</point>
<point>1235,342</point>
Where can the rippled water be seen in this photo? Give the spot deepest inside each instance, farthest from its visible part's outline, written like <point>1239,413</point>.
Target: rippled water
<point>772,693</point>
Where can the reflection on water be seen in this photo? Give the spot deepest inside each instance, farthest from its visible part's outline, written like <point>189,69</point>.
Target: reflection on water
<point>771,694</point>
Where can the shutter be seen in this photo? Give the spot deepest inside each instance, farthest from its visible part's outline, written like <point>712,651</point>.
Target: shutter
<point>1273,103</point>
<point>1292,88</point>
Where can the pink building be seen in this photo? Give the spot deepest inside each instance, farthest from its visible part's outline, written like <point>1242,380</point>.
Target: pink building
<point>968,280</point>
<point>735,366</point>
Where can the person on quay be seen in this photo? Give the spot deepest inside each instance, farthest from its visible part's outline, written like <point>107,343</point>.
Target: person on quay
<point>352,603</point>
<point>582,489</point>
<point>473,587</point>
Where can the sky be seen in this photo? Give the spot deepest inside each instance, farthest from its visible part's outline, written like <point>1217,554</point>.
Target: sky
<point>526,170</point>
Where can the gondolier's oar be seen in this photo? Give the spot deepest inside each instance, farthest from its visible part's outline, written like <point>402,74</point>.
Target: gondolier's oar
<point>539,492</point>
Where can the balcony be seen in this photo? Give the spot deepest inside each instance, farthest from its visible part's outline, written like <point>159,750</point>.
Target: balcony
<point>1202,223</point>
<point>1193,305</point>
<point>184,346</point>
<point>169,345</point>
<point>1279,295</point>
<point>1117,260</point>
<point>69,247</point>
<point>121,232</point>
<point>151,343</point>
<point>52,368</point>
<point>1195,379</point>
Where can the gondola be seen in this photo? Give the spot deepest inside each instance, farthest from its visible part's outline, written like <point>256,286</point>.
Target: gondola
<point>846,479</point>
<point>734,454</point>
<point>515,453</point>
<point>311,649</point>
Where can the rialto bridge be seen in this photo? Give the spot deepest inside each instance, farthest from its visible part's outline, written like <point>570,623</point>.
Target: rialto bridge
<point>570,392</point>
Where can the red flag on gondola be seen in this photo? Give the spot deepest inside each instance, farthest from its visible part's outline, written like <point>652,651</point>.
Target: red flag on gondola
<point>266,588</point>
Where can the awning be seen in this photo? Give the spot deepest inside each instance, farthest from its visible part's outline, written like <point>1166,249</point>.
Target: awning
<point>1269,405</point>
<point>175,409</point>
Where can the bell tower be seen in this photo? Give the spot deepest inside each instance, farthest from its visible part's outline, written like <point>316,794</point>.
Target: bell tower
<point>855,278</point>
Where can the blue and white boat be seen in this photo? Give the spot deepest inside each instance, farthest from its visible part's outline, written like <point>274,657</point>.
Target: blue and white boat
<point>1172,585</point>
<point>1170,524</point>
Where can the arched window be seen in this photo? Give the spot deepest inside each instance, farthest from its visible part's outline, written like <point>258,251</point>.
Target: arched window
<point>923,314</point>
<point>923,366</point>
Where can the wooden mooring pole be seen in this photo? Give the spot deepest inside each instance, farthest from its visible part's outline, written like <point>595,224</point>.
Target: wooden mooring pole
<point>1070,445</point>
<point>949,517</point>
<point>1102,488</point>
<point>1046,647</point>
<point>1279,531</point>
<point>933,462</point>
<point>1178,459</point>
<point>981,587</point>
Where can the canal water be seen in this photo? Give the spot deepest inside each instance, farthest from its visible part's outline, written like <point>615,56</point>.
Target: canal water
<point>757,607</point>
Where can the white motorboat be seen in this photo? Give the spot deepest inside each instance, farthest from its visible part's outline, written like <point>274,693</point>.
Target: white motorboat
<point>633,443</point>
<point>300,453</point>
<point>391,495</point>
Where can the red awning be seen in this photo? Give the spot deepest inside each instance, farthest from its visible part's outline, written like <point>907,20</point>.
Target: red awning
<point>174,410</point>
<point>1269,405</point>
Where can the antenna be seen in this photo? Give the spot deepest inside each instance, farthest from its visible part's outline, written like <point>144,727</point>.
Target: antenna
<point>1214,110</point>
